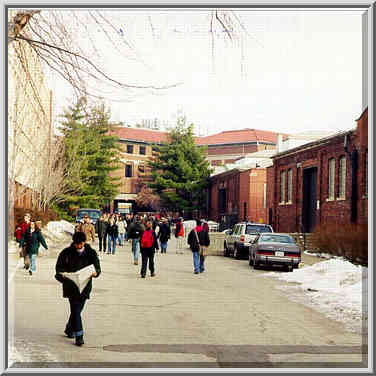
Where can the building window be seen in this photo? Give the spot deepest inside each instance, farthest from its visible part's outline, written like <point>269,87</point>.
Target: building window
<point>143,150</point>
<point>141,169</point>
<point>130,149</point>
<point>289,185</point>
<point>342,178</point>
<point>331,178</point>
<point>283,187</point>
<point>128,171</point>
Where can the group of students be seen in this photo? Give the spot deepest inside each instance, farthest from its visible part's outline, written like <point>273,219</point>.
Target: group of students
<point>80,255</point>
<point>29,238</point>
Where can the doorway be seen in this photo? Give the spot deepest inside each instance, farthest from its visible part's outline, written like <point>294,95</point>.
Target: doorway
<point>309,199</point>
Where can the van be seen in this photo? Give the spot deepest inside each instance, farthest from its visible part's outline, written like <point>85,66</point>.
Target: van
<point>93,214</point>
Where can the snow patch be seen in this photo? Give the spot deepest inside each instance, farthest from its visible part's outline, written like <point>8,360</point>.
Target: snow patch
<point>334,287</point>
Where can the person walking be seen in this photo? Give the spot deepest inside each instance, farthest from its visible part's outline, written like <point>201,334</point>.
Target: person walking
<point>72,259</point>
<point>179,234</point>
<point>134,233</point>
<point>100,228</point>
<point>32,239</point>
<point>112,235</point>
<point>24,226</point>
<point>148,243</point>
<point>88,228</point>
<point>122,227</point>
<point>196,238</point>
<point>164,234</point>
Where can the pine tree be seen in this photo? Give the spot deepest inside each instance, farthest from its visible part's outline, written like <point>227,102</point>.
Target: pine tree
<point>180,170</point>
<point>90,155</point>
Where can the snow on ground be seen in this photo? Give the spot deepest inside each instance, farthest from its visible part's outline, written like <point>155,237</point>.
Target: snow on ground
<point>335,287</point>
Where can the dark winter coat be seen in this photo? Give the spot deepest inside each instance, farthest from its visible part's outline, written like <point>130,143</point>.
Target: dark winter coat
<point>101,227</point>
<point>135,230</point>
<point>153,247</point>
<point>203,237</point>
<point>71,261</point>
<point>112,230</point>
<point>32,241</point>
<point>164,232</point>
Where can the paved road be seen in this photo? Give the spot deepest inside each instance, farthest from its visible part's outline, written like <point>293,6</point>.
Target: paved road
<point>229,316</point>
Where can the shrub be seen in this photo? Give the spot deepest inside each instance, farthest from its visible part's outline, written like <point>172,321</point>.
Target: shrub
<point>36,215</point>
<point>349,241</point>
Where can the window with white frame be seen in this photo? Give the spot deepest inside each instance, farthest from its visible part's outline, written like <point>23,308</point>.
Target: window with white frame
<point>283,187</point>
<point>342,177</point>
<point>289,185</point>
<point>331,178</point>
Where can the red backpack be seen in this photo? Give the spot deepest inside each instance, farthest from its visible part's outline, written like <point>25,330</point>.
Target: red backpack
<point>147,239</point>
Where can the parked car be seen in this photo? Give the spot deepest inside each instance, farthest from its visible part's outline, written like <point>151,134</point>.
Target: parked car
<point>240,237</point>
<point>274,249</point>
<point>93,214</point>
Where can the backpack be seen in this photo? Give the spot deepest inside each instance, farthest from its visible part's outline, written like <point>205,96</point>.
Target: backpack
<point>147,239</point>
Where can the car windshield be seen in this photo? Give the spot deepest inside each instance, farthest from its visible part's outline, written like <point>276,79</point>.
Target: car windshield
<point>91,214</point>
<point>252,229</point>
<point>276,239</point>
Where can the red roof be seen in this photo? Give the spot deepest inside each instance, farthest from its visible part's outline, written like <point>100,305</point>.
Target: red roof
<point>139,134</point>
<point>238,136</point>
<point>226,137</point>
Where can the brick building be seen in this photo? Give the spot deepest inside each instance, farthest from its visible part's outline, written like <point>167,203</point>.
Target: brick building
<point>136,149</point>
<point>239,191</point>
<point>136,144</point>
<point>229,146</point>
<point>324,181</point>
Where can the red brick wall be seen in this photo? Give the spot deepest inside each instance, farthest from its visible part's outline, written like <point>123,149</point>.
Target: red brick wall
<point>287,217</point>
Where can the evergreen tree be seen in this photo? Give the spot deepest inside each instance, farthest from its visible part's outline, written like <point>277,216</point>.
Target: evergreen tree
<point>90,154</point>
<point>180,170</point>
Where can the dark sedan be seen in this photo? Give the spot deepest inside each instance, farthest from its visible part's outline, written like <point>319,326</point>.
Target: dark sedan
<point>274,249</point>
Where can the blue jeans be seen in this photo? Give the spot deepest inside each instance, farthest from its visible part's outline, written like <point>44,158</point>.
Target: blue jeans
<point>33,262</point>
<point>135,248</point>
<point>74,324</point>
<point>121,239</point>
<point>111,239</point>
<point>198,262</point>
<point>163,247</point>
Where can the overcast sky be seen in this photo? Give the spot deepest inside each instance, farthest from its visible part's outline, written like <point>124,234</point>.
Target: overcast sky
<point>294,70</point>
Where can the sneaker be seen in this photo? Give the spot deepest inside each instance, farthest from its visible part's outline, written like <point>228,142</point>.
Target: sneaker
<point>136,262</point>
<point>196,272</point>
<point>30,272</point>
<point>142,275</point>
<point>79,341</point>
<point>152,274</point>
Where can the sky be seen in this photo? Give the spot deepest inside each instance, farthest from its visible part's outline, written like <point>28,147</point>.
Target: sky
<point>292,71</point>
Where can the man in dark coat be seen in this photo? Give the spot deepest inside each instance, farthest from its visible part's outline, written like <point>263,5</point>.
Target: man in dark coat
<point>149,244</point>
<point>100,228</point>
<point>164,234</point>
<point>25,225</point>
<point>134,233</point>
<point>72,259</point>
<point>203,239</point>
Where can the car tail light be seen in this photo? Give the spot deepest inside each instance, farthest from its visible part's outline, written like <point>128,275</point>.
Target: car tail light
<point>292,254</point>
<point>242,238</point>
<point>265,252</point>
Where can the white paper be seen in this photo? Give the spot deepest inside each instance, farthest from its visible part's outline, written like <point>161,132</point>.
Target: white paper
<point>81,277</point>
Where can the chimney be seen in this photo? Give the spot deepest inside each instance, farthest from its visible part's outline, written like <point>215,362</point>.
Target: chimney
<point>279,143</point>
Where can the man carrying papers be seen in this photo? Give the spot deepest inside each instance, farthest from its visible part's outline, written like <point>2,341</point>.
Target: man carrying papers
<point>75,267</point>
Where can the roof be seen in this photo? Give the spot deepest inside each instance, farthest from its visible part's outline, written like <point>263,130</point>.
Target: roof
<point>140,134</point>
<point>312,144</point>
<point>239,136</point>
